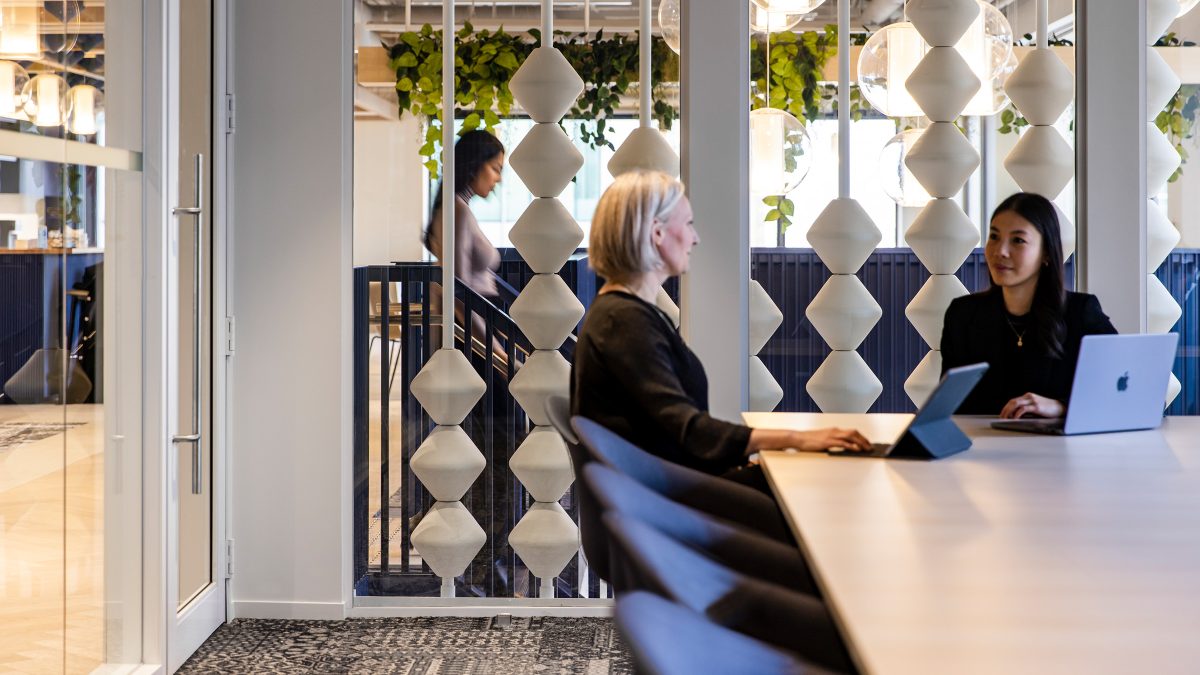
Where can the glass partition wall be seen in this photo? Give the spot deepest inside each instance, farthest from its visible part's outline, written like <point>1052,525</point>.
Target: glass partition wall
<point>70,326</point>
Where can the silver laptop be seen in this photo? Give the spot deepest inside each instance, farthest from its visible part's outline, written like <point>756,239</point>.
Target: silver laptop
<point>1120,385</point>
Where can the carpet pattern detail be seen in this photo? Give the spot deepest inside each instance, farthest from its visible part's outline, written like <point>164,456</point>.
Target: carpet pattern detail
<point>415,646</point>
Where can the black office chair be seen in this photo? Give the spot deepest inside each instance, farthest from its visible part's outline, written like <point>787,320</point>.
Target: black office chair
<point>711,494</point>
<point>740,549</point>
<point>668,639</point>
<point>592,536</point>
<point>762,610</point>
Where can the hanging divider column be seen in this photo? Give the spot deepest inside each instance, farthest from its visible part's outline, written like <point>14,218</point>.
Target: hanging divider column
<point>546,310</point>
<point>843,311</point>
<point>1162,312</point>
<point>448,387</point>
<point>941,160</point>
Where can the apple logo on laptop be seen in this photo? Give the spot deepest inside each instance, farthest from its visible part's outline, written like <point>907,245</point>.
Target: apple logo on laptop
<point>1123,382</point>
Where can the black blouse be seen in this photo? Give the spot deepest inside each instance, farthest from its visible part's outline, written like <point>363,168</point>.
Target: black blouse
<point>633,374</point>
<point>979,328</point>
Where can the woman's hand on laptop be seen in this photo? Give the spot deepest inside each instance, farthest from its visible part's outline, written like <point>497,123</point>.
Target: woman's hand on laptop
<point>1032,405</point>
<point>816,440</point>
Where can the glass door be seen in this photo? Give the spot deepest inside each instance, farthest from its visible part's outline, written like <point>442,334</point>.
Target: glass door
<point>197,517</point>
<point>71,320</point>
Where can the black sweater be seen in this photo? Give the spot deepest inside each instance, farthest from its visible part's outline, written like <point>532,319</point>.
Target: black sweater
<point>977,328</point>
<point>633,374</point>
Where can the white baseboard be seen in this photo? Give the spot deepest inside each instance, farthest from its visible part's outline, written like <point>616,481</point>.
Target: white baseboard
<point>316,611</point>
<point>376,607</point>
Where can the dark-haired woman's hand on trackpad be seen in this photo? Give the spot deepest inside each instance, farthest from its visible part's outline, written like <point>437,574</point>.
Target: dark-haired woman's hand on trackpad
<point>1032,405</point>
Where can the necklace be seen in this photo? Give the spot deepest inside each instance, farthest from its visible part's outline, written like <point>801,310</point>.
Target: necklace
<point>1020,335</point>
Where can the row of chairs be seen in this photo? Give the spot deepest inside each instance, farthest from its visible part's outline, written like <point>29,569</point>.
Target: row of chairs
<point>707,575</point>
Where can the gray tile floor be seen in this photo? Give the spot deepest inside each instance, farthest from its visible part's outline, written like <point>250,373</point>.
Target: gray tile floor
<point>416,646</point>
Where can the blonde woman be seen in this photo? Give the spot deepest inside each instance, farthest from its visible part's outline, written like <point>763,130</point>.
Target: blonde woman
<point>632,371</point>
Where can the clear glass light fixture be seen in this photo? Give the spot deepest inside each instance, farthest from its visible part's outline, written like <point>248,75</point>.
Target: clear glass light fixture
<point>45,100</point>
<point>84,105</point>
<point>12,85</point>
<point>668,23</point>
<point>780,152</point>
<point>63,34</point>
<point>895,178</point>
<point>19,35</point>
<point>763,21</point>
<point>891,54</point>
<point>789,6</point>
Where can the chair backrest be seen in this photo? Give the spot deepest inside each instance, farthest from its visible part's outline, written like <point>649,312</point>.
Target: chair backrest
<point>592,536</point>
<point>609,448</point>
<point>667,639</point>
<point>736,547</point>
<point>769,612</point>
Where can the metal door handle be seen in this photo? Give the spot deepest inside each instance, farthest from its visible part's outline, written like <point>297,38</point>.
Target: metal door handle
<point>197,297</point>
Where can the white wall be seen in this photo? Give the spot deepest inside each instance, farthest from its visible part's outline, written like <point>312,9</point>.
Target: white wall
<point>389,183</point>
<point>290,292</point>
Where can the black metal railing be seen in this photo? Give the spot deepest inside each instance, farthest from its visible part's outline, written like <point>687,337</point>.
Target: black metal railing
<point>404,321</point>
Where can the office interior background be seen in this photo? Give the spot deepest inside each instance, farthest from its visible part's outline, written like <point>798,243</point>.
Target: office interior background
<point>215,298</point>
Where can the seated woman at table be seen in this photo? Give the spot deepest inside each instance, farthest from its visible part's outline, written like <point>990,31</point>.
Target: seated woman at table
<point>632,371</point>
<point>1026,326</point>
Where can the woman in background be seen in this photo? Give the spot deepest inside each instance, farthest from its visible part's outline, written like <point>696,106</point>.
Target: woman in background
<point>1026,326</point>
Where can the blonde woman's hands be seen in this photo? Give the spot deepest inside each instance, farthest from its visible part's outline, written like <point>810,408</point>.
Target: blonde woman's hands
<point>816,440</point>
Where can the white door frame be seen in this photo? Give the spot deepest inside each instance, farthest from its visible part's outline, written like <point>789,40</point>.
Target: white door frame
<point>170,637</point>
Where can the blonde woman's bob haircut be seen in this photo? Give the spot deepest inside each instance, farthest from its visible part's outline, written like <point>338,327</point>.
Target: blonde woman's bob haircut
<point>621,245</point>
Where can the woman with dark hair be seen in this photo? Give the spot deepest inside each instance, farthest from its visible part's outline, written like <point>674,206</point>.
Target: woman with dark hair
<point>1026,326</point>
<point>478,162</point>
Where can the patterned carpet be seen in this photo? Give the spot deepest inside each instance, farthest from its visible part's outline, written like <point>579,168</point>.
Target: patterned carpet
<point>414,646</point>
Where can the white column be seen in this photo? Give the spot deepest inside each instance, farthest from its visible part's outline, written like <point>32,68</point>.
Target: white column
<point>715,140</point>
<point>1110,133</point>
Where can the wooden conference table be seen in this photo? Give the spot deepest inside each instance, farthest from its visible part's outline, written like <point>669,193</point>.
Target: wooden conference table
<point>1024,554</point>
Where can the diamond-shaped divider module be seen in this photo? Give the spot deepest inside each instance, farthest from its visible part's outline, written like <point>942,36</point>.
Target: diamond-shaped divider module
<point>448,538</point>
<point>546,235</point>
<point>765,392</point>
<point>546,311</point>
<point>1160,14</point>
<point>1041,87</point>
<point>927,311</point>
<point>765,317</point>
<point>645,149</point>
<point>1161,83</point>
<point>448,387</point>
<point>942,160</point>
<point>546,85</point>
<point>844,383</point>
<point>1041,162</point>
<point>924,378</point>
<point>844,236</point>
<point>844,312</point>
<point>942,22</point>
<point>1066,229</point>
<point>1173,389</point>
<point>1162,312</point>
<point>942,236</point>
<point>543,465</point>
<point>1161,160</point>
<point>546,539</point>
<point>1161,236</point>
<point>545,374</point>
<point>447,462</point>
<point>664,302</point>
<point>546,160</point>
<point>942,84</point>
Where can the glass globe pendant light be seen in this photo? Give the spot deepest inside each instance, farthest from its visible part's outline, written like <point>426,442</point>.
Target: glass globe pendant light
<point>763,21</point>
<point>789,6</point>
<point>668,23</point>
<point>84,105</point>
<point>12,84</point>
<point>780,148</point>
<point>19,35</point>
<point>897,181</point>
<point>45,103</point>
